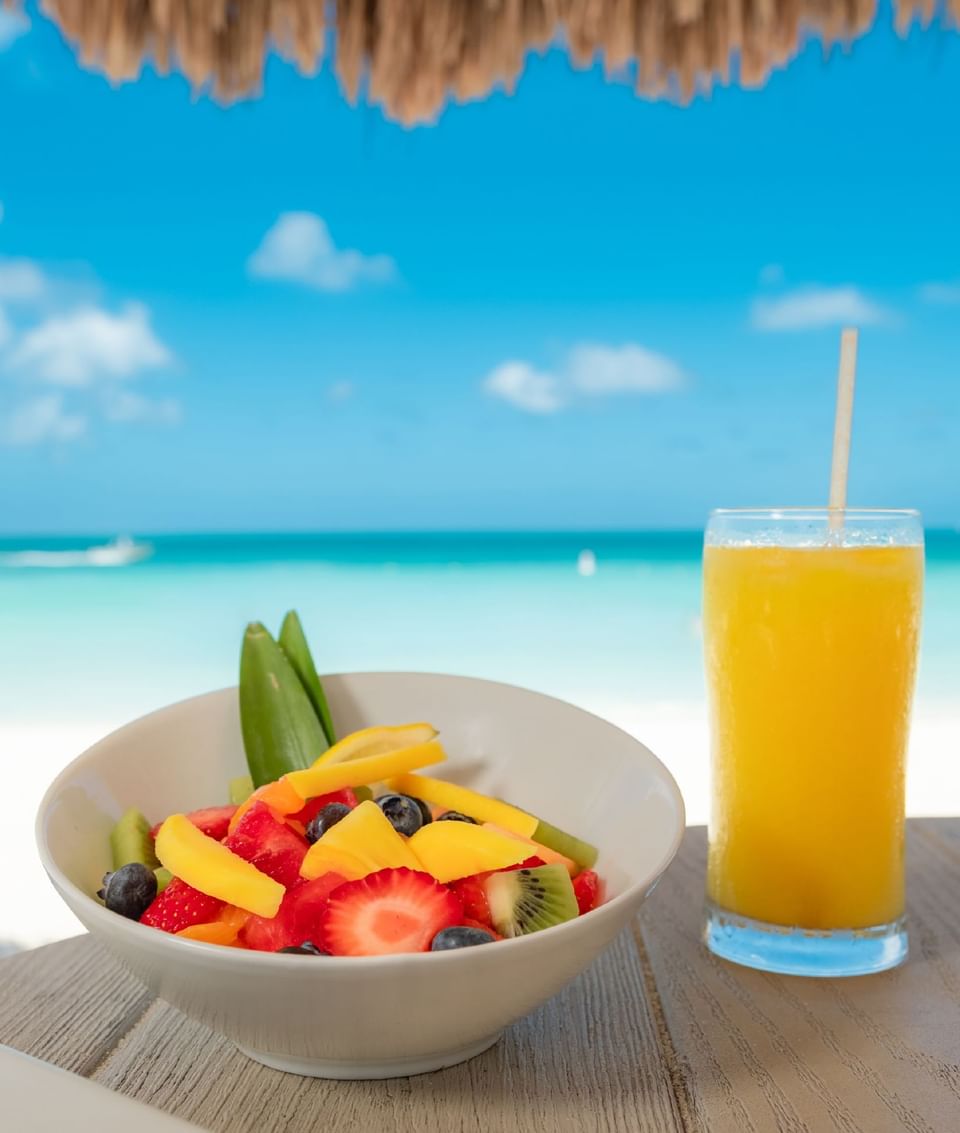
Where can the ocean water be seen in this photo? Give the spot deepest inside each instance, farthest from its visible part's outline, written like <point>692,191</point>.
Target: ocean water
<point>611,622</point>
<point>107,643</point>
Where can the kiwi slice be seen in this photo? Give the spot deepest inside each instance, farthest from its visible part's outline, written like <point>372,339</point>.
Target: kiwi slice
<point>526,900</point>
<point>164,877</point>
<point>241,789</point>
<point>577,850</point>
<point>130,841</point>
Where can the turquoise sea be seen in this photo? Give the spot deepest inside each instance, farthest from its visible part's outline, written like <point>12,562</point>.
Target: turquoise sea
<point>586,616</point>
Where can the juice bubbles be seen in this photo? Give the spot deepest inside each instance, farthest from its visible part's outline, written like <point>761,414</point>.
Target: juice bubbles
<point>811,654</point>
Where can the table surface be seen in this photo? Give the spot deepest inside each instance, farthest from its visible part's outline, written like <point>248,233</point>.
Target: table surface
<point>657,1035</point>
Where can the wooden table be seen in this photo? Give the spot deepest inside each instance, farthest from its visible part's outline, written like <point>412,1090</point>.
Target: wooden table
<point>657,1035</point>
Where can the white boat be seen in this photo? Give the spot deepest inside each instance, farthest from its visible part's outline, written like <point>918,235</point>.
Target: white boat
<point>586,564</point>
<point>121,551</point>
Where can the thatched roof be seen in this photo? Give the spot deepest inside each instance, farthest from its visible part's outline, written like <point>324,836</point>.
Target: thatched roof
<point>412,56</point>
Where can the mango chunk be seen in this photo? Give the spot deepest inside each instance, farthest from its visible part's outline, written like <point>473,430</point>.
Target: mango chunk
<point>484,809</point>
<point>451,850</point>
<point>321,780</point>
<point>538,849</point>
<point>213,869</point>
<point>450,796</point>
<point>322,860</point>
<point>359,844</point>
<point>224,930</point>
<point>377,741</point>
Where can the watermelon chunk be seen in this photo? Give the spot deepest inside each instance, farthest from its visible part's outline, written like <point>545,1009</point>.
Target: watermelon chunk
<point>314,806</point>
<point>212,821</point>
<point>268,843</point>
<point>298,918</point>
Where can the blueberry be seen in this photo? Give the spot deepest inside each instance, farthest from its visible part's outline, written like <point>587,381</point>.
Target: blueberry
<point>307,948</point>
<point>456,816</point>
<point>425,812</point>
<point>403,812</point>
<point>460,936</point>
<point>321,822</point>
<point>129,890</point>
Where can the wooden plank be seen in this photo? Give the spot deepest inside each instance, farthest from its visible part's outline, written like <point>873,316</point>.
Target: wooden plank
<point>68,1003</point>
<point>762,1052</point>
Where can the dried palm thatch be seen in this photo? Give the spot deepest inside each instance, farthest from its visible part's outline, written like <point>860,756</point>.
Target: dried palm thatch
<point>411,56</point>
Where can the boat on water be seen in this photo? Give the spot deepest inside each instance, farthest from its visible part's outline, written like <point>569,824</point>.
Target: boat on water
<point>586,564</point>
<point>122,551</point>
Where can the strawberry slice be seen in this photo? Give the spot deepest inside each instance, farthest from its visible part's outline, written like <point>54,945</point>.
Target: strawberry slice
<point>393,910</point>
<point>315,805</point>
<point>180,906</point>
<point>212,820</point>
<point>588,889</point>
<point>269,844</point>
<point>298,918</point>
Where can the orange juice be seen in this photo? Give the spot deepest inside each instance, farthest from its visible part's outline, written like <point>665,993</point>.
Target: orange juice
<point>811,654</point>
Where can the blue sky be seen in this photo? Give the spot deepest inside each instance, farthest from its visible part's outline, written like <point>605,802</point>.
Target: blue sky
<point>565,308</point>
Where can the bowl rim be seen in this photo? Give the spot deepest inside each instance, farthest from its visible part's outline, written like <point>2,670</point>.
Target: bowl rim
<point>243,958</point>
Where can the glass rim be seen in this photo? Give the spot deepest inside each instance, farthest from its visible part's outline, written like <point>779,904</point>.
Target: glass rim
<point>822,512</point>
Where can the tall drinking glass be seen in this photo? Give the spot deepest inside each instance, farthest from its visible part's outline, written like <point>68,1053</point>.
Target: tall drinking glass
<point>811,626</point>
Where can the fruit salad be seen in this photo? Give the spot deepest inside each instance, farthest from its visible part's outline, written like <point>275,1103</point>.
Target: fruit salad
<point>343,847</point>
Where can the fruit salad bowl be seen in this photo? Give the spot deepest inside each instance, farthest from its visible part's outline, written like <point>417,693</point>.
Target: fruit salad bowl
<point>372,1016</point>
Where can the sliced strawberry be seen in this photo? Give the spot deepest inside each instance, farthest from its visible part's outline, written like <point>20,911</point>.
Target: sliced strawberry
<point>269,844</point>
<point>588,889</point>
<point>212,820</point>
<point>393,910</point>
<point>298,918</point>
<point>315,805</point>
<point>180,906</point>
<point>527,863</point>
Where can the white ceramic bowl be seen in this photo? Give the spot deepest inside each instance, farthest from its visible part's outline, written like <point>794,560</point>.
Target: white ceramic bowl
<point>341,1017</point>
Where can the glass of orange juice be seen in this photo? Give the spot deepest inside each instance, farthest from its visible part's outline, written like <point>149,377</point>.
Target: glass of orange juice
<point>811,628</point>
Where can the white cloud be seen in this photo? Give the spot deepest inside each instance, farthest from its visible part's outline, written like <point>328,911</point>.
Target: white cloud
<point>811,307</point>
<point>526,388</point>
<point>299,248</point>
<point>589,370</point>
<point>88,344</point>
<point>42,419</point>
<point>12,26</point>
<point>599,370</point>
<point>771,274</point>
<point>124,406</point>
<point>21,280</point>
<point>947,293</point>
